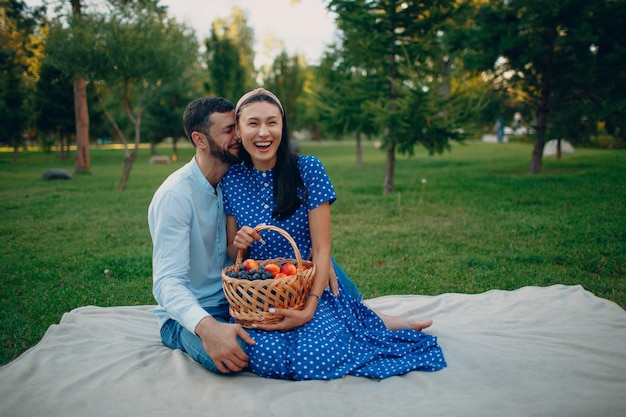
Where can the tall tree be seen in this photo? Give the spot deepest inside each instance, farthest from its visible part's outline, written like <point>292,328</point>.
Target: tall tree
<point>226,73</point>
<point>544,52</point>
<point>19,69</point>
<point>162,118</point>
<point>341,96</point>
<point>388,42</point>
<point>54,108</point>
<point>286,79</point>
<point>230,56</point>
<point>130,53</point>
<point>81,110</point>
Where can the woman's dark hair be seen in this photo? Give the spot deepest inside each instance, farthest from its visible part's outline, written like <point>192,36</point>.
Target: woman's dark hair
<point>286,174</point>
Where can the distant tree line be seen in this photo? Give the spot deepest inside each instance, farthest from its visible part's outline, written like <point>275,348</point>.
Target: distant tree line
<point>408,73</point>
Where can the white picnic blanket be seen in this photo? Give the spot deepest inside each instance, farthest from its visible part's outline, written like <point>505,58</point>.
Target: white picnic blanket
<point>537,351</point>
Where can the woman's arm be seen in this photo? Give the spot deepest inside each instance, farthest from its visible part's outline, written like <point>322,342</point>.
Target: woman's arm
<point>231,231</point>
<point>319,228</point>
<point>239,239</point>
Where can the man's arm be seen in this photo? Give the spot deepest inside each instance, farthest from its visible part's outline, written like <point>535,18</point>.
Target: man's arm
<point>170,223</point>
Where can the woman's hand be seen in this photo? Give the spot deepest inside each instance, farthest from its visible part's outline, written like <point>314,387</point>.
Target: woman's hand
<point>333,281</point>
<point>291,318</point>
<point>245,237</point>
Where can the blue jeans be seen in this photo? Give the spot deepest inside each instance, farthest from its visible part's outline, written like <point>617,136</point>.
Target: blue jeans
<point>175,336</point>
<point>347,283</point>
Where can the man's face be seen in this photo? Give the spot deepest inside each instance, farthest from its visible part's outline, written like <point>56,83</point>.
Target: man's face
<point>223,143</point>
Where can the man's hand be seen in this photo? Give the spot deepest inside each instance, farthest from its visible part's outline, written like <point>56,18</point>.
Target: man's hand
<point>220,342</point>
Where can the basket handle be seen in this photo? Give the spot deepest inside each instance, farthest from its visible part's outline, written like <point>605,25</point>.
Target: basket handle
<point>284,234</point>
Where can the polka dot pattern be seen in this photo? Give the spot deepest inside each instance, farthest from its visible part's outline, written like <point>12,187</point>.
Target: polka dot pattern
<point>344,337</point>
<point>249,196</point>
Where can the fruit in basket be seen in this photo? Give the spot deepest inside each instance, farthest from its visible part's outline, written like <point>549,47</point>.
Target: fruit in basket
<point>272,268</point>
<point>281,275</point>
<point>288,269</point>
<point>250,264</point>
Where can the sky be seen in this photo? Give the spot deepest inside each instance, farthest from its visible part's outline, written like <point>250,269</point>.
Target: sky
<point>304,28</point>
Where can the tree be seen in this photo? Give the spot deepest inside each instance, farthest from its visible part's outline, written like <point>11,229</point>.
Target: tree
<point>54,108</point>
<point>230,56</point>
<point>81,110</point>
<point>163,115</point>
<point>543,52</point>
<point>146,51</point>
<point>19,69</point>
<point>340,96</point>
<point>130,54</point>
<point>388,43</point>
<point>226,73</point>
<point>286,80</point>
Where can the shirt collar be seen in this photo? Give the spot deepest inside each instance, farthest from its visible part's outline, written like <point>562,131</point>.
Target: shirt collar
<point>201,179</point>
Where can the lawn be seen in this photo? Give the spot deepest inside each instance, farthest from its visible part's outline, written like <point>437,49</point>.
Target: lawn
<point>467,221</point>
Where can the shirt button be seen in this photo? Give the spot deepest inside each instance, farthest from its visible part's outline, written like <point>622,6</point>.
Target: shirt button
<point>265,206</point>
<point>264,174</point>
<point>266,184</point>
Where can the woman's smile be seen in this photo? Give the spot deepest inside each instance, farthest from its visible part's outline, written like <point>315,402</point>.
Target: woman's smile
<point>260,127</point>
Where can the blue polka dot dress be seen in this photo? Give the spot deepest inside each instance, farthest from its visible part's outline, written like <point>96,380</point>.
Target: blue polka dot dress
<point>344,337</point>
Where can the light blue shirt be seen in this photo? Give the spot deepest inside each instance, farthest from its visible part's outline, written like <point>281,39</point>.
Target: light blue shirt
<point>188,229</point>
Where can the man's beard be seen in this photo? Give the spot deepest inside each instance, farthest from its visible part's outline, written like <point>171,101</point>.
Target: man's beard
<point>222,155</point>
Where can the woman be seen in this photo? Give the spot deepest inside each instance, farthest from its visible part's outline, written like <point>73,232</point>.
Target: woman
<point>334,334</point>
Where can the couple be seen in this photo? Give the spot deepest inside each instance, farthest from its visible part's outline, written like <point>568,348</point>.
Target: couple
<point>207,209</point>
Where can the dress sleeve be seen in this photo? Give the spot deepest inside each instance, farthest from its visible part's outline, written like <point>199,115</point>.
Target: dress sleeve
<point>316,180</point>
<point>227,192</point>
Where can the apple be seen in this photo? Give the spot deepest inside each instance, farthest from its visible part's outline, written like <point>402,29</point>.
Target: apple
<point>272,268</point>
<point>288,269</point>
<point>250,264</point>
<point>281,275</point>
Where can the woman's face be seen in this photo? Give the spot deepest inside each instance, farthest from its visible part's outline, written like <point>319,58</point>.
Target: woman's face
<point>260,128</point>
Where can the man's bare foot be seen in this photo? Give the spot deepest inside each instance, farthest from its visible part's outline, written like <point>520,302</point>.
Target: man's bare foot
<point>394,323</point>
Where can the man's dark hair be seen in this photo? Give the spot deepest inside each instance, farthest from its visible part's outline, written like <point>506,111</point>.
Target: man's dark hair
<point>197,116</point>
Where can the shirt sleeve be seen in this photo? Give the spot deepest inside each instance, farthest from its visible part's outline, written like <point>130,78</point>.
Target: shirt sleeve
<point>169,220</point>
<point>318,185</point>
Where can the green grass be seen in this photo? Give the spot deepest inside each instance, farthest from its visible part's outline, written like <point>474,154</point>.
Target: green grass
<point>479,223</point>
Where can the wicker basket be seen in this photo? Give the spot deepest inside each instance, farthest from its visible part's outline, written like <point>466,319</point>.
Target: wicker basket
<point>250,301</point>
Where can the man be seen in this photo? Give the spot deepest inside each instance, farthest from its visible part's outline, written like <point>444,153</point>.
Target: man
<point>188,230</point>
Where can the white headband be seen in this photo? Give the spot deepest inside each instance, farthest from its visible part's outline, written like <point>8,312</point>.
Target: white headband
<point>259,92</point>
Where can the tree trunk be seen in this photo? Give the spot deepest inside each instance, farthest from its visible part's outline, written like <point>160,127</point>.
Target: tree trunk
<point>67,153</point>
<point>174,150</point>
<point>536,159</point>
<point>540,140</point>
<point>444,70</point>
<point>129,158</point>
<point>558,149</point>
<point>128,165</point>
<point>541,128</point>
<point>359,150</point>
<point>81,113</point>
<point>389,170</point>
